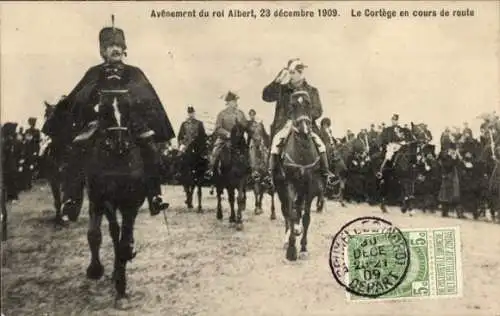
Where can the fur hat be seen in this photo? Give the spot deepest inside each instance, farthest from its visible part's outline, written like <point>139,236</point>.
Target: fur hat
<point>112,35</point>
<point>395,117</point>
<point>190,109</point>
<point>32,120</point>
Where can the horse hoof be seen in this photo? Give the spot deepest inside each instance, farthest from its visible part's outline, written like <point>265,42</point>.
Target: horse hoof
<point>258,211</point>
<point>219,215</point>
<point>384,209</point>
<point>291,253</point>
<point>273,216</point>
<point>239,226</point>
<point>200,210</point>
<point>122,302</point>
<point>304,255</point>
<point>232,220</point>
<point>95,271</point>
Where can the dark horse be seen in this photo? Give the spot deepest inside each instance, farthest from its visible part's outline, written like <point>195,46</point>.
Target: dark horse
<point>52,162</point>
<point>115,177</point>
<point>233,174</point>
<point>261,181</point>
<point>297,179</point>
<point>192,166</point>
<point>400,160</point>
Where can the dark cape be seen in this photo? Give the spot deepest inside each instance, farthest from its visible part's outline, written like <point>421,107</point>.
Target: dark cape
<point>75,111</point>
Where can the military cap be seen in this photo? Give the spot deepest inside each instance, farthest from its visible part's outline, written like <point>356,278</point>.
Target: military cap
<point>395,117</point>
<point>190,109</point>
<point>112,35</point>
<point>296,64</point>
<point>231,96</point>
<point>300,97</point>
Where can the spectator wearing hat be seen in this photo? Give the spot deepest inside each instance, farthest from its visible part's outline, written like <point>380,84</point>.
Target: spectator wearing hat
<point>78,113</point>
<point>226,120</point>
<point>192,132</point>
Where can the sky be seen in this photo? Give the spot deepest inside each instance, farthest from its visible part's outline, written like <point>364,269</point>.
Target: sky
<point>443,71</point>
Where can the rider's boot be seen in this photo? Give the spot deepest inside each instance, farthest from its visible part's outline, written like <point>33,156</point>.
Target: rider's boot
<point>324,167</point>
<point>152,158</point>
<point>273,162</point>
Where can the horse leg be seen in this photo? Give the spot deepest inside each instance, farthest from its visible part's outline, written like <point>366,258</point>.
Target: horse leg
<point>114,232</point>
<point>125,250</point>
<point>291,252</point>
<point>231,200</point>
<point>306,220</point>
<point>95,270</point>
<point>241,206</point>
<point>219,204</point>
<point>273,209</point>
<point>341,192</point>
<point>257,189</point>
<point>200,209</point>
<point>4,214</point>
<point>189,195</point>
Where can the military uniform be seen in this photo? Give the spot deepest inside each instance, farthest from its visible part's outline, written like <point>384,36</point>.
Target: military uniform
<point>283,133</point>
<point>32,148</point>
<point>88,107</point>
<point>191,131</point>
<point>226,120</point>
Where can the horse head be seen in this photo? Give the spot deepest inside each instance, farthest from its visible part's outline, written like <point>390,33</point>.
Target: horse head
<point>300,107</point>
<point>49,110</point>
<point>117,139</point>
<point>237,136</point>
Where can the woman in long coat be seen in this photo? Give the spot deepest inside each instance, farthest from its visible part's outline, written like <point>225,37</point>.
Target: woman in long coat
<point>449,192</point>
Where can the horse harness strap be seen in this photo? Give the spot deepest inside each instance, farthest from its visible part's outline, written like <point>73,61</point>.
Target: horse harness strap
<point>292,163</point>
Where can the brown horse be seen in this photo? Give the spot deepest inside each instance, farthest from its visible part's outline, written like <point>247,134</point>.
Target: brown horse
<point>297,179</point>
<point>52,162</point>
<point>259,155</point>
<point>232,174</point>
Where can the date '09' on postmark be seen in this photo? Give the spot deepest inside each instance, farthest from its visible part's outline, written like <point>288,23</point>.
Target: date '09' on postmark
<point>426,264</point>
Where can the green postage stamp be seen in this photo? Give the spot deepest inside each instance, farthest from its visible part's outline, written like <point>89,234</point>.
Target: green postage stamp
<point>433,267</point>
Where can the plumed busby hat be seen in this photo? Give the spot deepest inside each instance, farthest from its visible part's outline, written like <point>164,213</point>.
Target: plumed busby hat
<point>190,109</point>
<point>112,35</point>
<point>9,129</point>
<point>231,96</point>
<point>32,120</point>
<point>300,97</point>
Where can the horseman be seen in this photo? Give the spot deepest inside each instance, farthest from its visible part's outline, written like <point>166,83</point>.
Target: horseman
<point>226,120</point>
<point>191,132</point>
<point>103,85</point>
<point>291,80</point>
